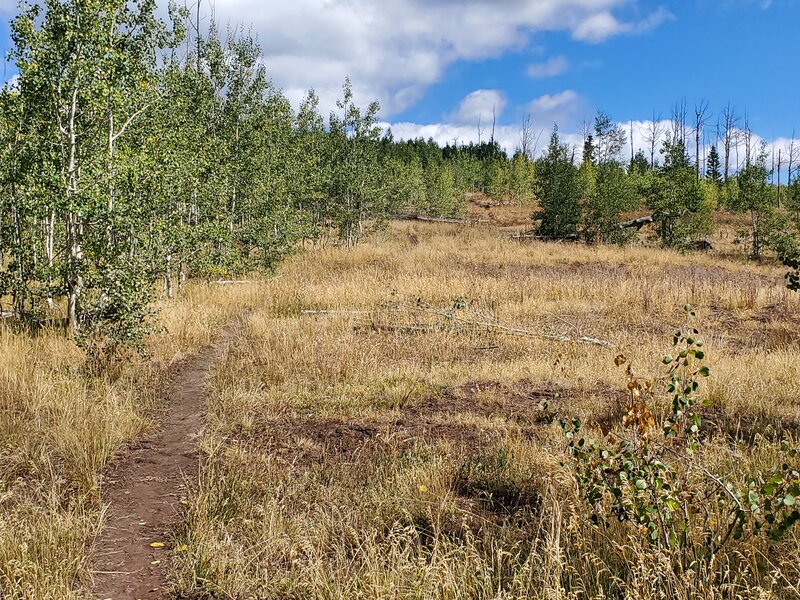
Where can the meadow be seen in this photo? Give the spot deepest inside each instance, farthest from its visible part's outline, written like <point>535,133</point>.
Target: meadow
<point>385,422</point>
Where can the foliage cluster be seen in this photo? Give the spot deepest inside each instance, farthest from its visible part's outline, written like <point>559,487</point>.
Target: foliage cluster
<point>133,154</point>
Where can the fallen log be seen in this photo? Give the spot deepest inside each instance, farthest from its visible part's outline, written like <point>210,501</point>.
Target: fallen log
<point>242,281</point>
<point>336,312</point>
<point>496,327</point>
<point>425,219</point>
<point>638,223</point>
<point>401,329</point>
<point>532,235</point>
<point>702,245</point>
<point>517,331</point>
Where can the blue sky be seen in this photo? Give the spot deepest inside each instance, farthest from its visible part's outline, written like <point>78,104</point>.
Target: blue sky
<point>743,52</point>
<point>438,65</point>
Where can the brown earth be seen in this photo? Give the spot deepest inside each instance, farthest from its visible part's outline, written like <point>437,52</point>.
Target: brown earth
<point>302,439</point>
<point>144,490</point>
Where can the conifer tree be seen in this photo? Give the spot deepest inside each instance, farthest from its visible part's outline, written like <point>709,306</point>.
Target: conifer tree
<point>713,167</point>
<point>559,189</point>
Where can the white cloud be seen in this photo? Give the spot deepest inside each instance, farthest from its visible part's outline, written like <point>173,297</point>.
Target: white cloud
<point>602,25</point>
<point>483,105</point>
<point>549,102</point>
<point>507,136</point>
<point>563,108</point>
<point>394,51</point>
<point>462,127</point>
<point>652,21</point>
<point>549,68</point>
<point>598,27</point>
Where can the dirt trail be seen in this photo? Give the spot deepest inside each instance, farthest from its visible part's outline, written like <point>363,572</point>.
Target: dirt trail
<point>144,490</point>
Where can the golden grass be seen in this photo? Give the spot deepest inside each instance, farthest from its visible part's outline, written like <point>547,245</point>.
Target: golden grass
<point>388,451</point>
<point>392,447</point>
<point>59,427</point>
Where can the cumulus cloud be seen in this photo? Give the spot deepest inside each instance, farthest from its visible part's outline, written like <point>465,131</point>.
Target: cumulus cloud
<point>598,27</point>
<point>480,105</point>
<point>563,108</point>
<point>507,136</point>
<point>602,25</point>
<point>394,51</point>
<point>549,68</point>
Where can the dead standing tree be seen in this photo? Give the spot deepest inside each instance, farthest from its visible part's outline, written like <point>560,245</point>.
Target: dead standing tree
<point>653,135</point>
<point>792,159</point>
<point>700,118</point>
<point>727,132</point>
<point>528,138</point>
<point>679,132</point>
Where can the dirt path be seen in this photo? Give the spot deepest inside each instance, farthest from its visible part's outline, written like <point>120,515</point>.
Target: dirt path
<point>145,489</point>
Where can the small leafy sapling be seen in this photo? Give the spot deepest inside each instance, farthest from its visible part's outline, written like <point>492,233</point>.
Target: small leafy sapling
<point>656,481</point>
<point>685,372</point>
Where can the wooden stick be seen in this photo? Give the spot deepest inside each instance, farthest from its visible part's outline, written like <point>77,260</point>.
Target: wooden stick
<point>518,331</point>
<point>582,339</point>
<point>333,311</point>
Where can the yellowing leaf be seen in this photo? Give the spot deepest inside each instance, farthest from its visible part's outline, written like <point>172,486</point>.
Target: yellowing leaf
<point>423,488</point>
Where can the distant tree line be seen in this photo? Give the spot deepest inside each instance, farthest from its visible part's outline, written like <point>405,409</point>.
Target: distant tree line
<point>588,199</point>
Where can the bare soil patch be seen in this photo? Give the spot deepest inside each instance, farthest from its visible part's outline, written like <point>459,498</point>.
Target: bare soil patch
<point>145,488</point>
<point>303,440</point>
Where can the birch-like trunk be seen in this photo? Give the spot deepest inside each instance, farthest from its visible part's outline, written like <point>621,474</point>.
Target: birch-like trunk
<point>168,277</point>
<point>74,259</point>
<point>50,254</point>
<point>19,296</point>
<point>110,175</point>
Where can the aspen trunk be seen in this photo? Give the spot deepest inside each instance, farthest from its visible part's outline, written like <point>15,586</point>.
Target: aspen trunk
<point>168,277</point>
<point>19,296</point>
<point>50,254</point>
<point>74,280</point>
<point>110,175</point>
<point>181,275</point>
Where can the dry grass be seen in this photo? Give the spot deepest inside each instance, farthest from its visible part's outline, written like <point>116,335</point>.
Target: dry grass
<point>393,447</point>
<point>59,427</point>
